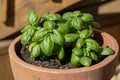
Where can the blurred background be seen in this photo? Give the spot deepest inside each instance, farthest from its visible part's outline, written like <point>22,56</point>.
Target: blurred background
<point>13,19</point>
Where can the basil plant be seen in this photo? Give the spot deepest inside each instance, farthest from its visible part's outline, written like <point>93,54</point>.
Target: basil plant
<point>50,34</point>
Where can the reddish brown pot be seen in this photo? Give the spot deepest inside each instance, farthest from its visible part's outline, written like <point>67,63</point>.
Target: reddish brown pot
<point>101,71</point>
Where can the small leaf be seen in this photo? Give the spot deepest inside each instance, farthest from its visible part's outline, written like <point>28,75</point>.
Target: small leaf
<point>84,34</point>
<point>57,37</point>
<point>77,52</point>
<point>92,44</point>
<point>25,38</point>
<point>76,13</point>
<point>47,46</point>
<point>75,60</point>
<point>70,37</point>
<point>85,61</point>
<point>25,29</point>
<point>63,28</point>
<point>31,46</point>
<point>90,30</point>
<point>86,52</point>
<point>49,25</point>
<point>95,25</point>
<point>67,16</point>
<point>107,51</point>
<point>87,17</point>
<point>40,34</point>
<point>94,56</point>
<point>77,23</point>
<point>54,17</point>
<point>61,53</point>
<point>33,18</point>
<point>31,31</point>
<point>46,15</point>
<point>35,51</point>
<point>79,43</point>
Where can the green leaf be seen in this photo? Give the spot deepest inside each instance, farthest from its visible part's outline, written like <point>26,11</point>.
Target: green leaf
<point>77,52</point>
<point>46,15</point>
<point>31,46</point>
<point>77,23</point>
<point>61,53</point>
<point>85,61</point>
<point>30,30</point>
<point>49,25</point>
<point>67,16</point>
<point>92,44</point>
<point>33,18</point>
<point>75,60</point>
<point>86,52</point>
<point>84,34</point>
<point>94,56</point>
<point>87,17</point>
<point>40,34</point>
<point>38,27</point>
<point>96,25</point>
<point>25,29</point>
<point>54,17</point>
<point>70,37</point>
<point>79,43</point>
<point>36,51</point>
<point>63,28</point>
<point>90,29</point>
<point>57,37</point>
<point>47,46</point>
<point>25,38</point>
<point>107,51</point>
<point>76,13</point>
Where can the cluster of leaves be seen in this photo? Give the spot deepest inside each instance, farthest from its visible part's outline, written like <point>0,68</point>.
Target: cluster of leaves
<point>50,34</point>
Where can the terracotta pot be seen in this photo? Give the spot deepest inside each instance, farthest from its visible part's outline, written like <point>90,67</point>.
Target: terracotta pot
<point>104,70</point>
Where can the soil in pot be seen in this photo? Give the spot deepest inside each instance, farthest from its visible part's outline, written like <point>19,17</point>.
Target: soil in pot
<point>51,62</point>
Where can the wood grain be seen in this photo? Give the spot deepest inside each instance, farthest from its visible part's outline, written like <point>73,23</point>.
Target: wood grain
<point>18,9</point>
<point>5,68</point>
<point>3,10</point>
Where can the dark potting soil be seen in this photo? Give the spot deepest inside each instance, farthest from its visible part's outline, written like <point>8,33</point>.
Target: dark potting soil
<point>51,62</point>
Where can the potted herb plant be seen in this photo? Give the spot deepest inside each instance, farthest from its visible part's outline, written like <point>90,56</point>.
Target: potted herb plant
<point>63,47</point>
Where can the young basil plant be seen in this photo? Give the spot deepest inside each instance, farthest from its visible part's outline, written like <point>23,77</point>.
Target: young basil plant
<point>51,35</point>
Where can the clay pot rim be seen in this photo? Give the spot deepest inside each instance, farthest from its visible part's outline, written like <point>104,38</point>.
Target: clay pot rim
<point>101,64</point>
